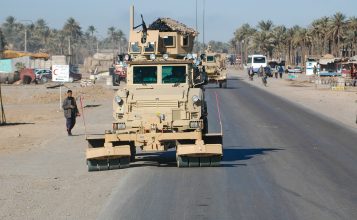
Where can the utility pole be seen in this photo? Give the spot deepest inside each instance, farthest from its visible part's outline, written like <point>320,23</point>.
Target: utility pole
<point>196,17</point>
<point>25,39</point>
<point>69,50</point>
<point>25,46</point>
<point>203,26</point>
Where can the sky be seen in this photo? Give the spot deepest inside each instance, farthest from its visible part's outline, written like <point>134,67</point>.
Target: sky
<point>222,17</point>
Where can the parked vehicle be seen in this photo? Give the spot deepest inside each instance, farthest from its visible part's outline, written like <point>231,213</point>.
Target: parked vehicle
<point>27,76</point>
<point>256,61</point>
<point>310,64</point>
<point>297,69</point>
<point>43,75</point>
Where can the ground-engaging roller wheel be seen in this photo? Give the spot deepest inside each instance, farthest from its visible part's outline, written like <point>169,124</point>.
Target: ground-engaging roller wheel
<point>215,161</point>
<point>108,164</point>
<point>114,164</point>
<point>182,161</point>
<point>205,162</point>
<point>124,162</point>
<point>132,152</point>
<point>212,161</point>
<point>193,161</point>
<point>92,165</point>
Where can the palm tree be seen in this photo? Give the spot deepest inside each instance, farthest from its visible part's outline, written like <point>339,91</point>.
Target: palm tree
<point>244,34</point>
<point>2,43</point>
<point>9,29</point>
<point>280,38</point>
<point>111,33</point>
<point>265,25</point>
<point>74,32</point>
<point>42,32</point>
<point>264,39</point>
<point>337,26</point>
<point>352,33</point>
<point>91,30</point>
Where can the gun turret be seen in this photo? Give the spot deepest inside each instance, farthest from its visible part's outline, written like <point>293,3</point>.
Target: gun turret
<point>144,30</point>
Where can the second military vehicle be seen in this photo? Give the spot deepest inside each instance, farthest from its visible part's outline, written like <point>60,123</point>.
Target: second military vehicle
<point>215,66</point>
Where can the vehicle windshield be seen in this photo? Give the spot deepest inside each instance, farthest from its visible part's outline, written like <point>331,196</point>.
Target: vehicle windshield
<point>259,59</point>
<point>210,59</point>
<point>144,74</point>
<point>173,74</point>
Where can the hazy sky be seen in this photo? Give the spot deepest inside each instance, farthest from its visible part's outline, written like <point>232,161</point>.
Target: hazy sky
<point>222,16</point>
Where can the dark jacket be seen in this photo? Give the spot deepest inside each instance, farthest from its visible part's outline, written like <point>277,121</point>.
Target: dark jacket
<point>68,111</point>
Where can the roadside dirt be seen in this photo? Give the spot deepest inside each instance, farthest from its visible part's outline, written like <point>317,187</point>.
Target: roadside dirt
<point>43,172</point>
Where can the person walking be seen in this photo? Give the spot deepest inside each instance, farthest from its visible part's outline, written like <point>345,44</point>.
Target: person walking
<point>264,75</point>
<point>261,71</point>
<point>70,112</point>
<point>251,73</point>
<point>281,71</point>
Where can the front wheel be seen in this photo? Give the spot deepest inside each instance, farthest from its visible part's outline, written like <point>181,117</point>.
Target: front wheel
<point>44,79</point>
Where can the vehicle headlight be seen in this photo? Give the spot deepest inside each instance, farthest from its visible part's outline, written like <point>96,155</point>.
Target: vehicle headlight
<point>189,56</point>
<point>152,56</point>
<point>195,99</point>
<point>118,100</point>
<point>119,126</point>
<point>195,124</point>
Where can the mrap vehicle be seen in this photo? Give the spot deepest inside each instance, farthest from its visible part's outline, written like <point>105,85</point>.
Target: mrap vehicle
<point>215,66</point>
<point>163,104</point>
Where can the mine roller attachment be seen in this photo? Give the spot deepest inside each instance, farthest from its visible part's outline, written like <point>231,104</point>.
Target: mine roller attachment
<point>204,153</point>
<point>106,156</point>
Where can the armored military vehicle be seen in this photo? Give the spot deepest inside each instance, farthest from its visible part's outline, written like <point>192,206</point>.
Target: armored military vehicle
<point>163,104</point>
<point>215,67</point>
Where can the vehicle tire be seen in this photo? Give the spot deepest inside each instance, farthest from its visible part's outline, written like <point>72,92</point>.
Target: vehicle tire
<point>26,80</point>
<point>205,126</point>
<point>224,84</point>
<point>132,152</point>
<point>44,80</point>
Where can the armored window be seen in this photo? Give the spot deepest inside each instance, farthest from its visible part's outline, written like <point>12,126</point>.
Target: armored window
<point>145,74</point>
<point>185,41</point>
<point>135,48</point>
<point>150,48</point>
<point>169,41</point>
<point>173,74</point>
<point>211,59</point>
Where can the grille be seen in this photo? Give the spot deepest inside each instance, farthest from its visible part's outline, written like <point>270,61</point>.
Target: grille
<point>156,104</point>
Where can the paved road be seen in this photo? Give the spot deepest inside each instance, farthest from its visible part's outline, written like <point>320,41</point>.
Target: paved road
<point>280,162</point>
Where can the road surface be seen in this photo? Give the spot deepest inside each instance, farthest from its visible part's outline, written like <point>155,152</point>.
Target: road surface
<point>280,162</point>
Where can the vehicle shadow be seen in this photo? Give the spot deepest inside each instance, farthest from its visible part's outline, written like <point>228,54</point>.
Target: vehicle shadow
<point>233,156</point>
<point>17,123</point>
